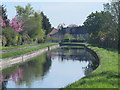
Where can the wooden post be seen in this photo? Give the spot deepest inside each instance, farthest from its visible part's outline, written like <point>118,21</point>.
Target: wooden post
<point>22,58</point>
<point>48,48</point>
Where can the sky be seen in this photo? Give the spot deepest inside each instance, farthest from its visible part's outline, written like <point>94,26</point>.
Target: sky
<point>59,12</point>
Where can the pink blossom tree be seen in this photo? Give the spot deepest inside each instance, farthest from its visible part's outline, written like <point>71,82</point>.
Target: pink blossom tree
<point>2,22</point>
<point>16,25</point>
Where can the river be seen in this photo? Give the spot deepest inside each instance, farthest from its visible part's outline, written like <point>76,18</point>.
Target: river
<point>54,69</point>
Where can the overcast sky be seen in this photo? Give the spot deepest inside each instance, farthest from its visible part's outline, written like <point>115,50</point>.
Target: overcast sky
<point>59,12</point>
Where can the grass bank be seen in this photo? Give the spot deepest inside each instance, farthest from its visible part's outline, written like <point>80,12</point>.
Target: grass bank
<point>24,51</point>
<point>105,76</point>
<point>15,47</point>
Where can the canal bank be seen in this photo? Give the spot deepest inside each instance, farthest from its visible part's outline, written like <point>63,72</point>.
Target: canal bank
<point>53,69</point>
<point>105,76</point>
<point>8,62</point>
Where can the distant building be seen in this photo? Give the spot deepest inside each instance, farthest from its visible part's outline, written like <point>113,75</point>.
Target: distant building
<point>54,31</point>
<point>75,31</point>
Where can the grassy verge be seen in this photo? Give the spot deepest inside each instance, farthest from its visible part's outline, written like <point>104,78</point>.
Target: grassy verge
<point>19,46</point>
<point>24,51</point>
<point>105,76</point>
<point>75,43</point>
<point>72,46</point>
<point>14,47</point>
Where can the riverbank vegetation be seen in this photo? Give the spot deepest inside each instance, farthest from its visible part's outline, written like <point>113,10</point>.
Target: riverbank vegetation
<point>103,26</point>
<point>24,51</point>
<point>27,27</point>
<point>15,47</point>
<point>105,76</point>
<point>103,29</point>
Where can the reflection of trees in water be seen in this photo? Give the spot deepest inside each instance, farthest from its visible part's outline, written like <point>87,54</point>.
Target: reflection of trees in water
<point>15,76</point>
<point>38,67</point>
<point>35,69</point>
<point>4,82</point>
<point>77,54</point>
<point>92,65</point>
<point>72,54</point>
<point>30,71</point>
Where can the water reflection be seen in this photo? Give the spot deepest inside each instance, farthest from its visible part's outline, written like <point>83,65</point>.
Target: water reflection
<point>54,69</point>
<point>29,71</point>
<point>77,54</point>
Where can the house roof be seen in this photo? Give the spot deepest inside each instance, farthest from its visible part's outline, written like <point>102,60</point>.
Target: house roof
<point>73,30</point>
<point>53,32</point>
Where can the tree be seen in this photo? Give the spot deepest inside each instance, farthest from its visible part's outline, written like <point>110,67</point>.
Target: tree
<point>24,12</point>
<point>16,25</point>
<point>60,26</point>
<point>2,22</point>
<point>33,27</point>
<point>3,15</point>
<point>113,8</point>
<point>102,29</point>
<point>10,35</point>
<point>46,24</point>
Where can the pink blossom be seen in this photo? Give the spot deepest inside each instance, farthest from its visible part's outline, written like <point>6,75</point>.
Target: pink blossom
<point>16,25</point>
<point>2,22</point>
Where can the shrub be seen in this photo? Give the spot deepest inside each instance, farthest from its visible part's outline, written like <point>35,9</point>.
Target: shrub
<point>10,36</point>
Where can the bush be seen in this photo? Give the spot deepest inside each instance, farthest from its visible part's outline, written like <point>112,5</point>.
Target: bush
<point>10,36</point>
<point>68,36</point>
<point>80,38</point>
<point>4,40</point>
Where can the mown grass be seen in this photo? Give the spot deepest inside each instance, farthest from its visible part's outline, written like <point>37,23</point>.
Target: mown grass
<point>19,46</point>
<point>24,51</point>
<point>75,43</point>
<point>105,76</point>
<point>72,46</point>
<point>15,47</point>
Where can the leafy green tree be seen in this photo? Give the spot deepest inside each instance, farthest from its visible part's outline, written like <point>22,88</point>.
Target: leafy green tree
<point>35,24</point>
<point>113,8</point>
<point>46,24</point>
<point>24,12</point>
<point>33,27</point>
<point>10,36</point>
<point>102,29</point>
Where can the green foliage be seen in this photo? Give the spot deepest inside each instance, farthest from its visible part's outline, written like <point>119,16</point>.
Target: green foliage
<point>102,29</point>
<point>46,24</point>
<point>80,38</point>
<point>10,36</point>
<point>3,39</point>
<point>3,13</point>
<point>113,8</point>
<point>35,26</point>
<point>68,36</point>
<point>24,12</point>
<point>19,42</point>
